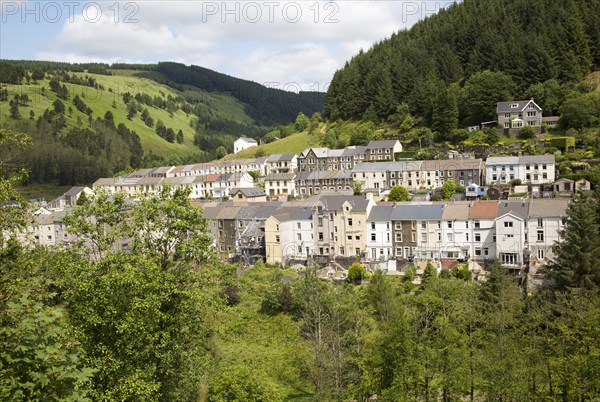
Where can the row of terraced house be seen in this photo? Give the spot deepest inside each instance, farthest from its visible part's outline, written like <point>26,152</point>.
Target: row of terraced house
<point>315,170</point>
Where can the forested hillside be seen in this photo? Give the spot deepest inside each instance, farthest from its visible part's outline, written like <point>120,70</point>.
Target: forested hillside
<point>95,120</point>
<point>453,67</point>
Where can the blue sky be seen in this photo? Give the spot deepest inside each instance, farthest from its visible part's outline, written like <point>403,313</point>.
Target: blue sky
<point>283,43</point>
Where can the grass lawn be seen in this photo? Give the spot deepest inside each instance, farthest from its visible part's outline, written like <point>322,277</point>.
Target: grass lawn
<point>294,144</point>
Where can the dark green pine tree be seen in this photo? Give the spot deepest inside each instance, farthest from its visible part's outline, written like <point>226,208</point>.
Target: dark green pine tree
<point>577,256</point>
<point>445,112</point>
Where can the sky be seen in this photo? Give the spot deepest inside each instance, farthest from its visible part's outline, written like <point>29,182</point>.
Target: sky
<point>294,45</point>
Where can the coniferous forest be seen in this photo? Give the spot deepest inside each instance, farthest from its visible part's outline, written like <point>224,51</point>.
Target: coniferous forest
<point>470,56</point>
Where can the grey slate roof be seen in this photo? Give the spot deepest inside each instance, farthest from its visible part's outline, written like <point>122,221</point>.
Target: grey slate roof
<point>381,214</point>
<point>504,107</point>
<point>336,202</point>
<point>416,212</point>
<point>251,192</point>
<point>518,208</point>
<point>249,140</point>
<point>541,208</point>
<point>382,144</point>
<point>73,191</point>
<point>548,159</point>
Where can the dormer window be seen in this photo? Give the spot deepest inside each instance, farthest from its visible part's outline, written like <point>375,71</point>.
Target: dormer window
<point>514,105</point>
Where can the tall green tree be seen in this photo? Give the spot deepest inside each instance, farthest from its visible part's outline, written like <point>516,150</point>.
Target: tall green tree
<point>576,256</point>
<point>445,112</point>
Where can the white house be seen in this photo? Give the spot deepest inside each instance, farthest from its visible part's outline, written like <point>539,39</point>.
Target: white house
<point>482,229</point>
<point>543,227</point>
<point>455,236</point>
<point>534,169</point>
<point>243,143</point>
<point>379,233</point>
<point>289,234</point>
<point>280,184</point>
<point>511,231</point>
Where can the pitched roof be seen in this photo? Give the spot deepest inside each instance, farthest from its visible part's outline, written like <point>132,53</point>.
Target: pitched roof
<point>452,164</point>
<point>502,160</point>
<point>336,202</point>
<point>380,214</point>
<point>505,107</point>
<point>252,192</point>
<point>518,208</point>
<point>280,176</point>
<point>248,140</point>
<point>280,158</point>
<point>382,144</point>
<point>73,191</point>
<point>417,212</point>
<point>483,210</point>
<point>548,158</point>
<point>541,207</point>
<point>456,210</point>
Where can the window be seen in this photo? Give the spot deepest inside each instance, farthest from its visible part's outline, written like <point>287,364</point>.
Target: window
<point>540,235</point>
<point>450,237</point>
<point>478,237</point>
<point>540,222</point>
<point>372,225</point>
<point>299,235</point>
<point>349,221</point>
<point>514,105</point>
<point>399,237</point>
<point>373,237</point>
<point>540,254</point>
<point>349,237</point>
<point>508,224</point>
<point>321,238</point>
<point>399,251</point>
<point>423,225</point>
<point>423,238</point>
<point>467,236</point>
<point>450,225</point>
<point>477,251</point>
<point>342,251</point>
<point>486,251</point>
<point>277,238</point>
<point>467,224</point>
<point>509,258</point>
<point>320,224</point>
<point>299,225</point>
<point>477,225</point>
<point>398,226</point>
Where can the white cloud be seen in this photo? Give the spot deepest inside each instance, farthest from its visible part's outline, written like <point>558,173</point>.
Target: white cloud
<point>220,35</point>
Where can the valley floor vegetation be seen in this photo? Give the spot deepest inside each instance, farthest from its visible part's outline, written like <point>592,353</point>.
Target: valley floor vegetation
<point>163,320</point>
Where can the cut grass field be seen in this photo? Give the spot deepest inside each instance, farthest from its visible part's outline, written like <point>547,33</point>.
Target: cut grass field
<point>293,144</point>
<point>110,99</point>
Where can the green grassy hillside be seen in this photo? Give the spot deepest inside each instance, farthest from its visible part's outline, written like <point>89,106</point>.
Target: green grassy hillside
<point>101,101</point>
